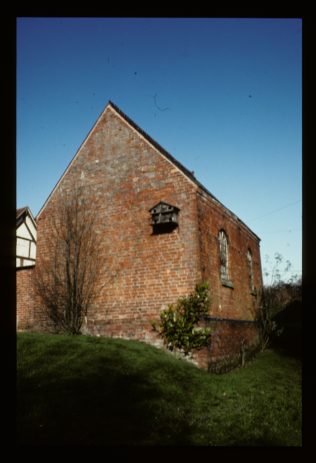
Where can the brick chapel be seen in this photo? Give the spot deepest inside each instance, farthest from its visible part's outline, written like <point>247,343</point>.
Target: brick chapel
<point>163,232</point>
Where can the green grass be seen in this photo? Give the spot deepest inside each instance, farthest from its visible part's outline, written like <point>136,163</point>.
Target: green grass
<point>102,391</point>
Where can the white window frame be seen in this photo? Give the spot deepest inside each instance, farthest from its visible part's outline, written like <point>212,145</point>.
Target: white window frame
<point>224,258</point>
<point>250,270</point>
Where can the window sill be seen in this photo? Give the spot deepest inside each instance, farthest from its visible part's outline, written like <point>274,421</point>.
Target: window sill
<point>228,284</point>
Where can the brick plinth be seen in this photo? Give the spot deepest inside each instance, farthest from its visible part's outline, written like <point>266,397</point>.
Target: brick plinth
<point>232,342</point>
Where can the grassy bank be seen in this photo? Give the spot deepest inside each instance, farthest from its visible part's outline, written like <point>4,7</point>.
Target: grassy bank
<point>101,391</point>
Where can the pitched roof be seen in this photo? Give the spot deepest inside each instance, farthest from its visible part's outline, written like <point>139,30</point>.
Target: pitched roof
<point>160,149</point>
<point>156,145</point>
<point>20,214</point>
<point>174,161</point>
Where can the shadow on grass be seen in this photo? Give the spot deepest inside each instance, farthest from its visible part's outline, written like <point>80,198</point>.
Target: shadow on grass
<point>110,406</point>
<point>91,391</point>
<point>262,441</point>
<point>289,343</point>
<point>290,340</point>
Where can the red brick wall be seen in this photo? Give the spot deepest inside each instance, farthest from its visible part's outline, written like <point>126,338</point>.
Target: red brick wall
<point>143,272</point>
<point>237,302</point>
<point>24,298</point>
<point>29,315</point>
<point>230,341</point>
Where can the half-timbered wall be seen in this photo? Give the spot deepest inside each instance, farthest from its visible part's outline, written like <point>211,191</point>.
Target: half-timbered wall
<point>26,235</point>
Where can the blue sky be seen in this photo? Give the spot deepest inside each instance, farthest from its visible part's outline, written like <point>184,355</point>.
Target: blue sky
<point>223,96</point>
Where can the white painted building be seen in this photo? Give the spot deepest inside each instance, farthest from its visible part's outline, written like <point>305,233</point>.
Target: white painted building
<point>25,238</point>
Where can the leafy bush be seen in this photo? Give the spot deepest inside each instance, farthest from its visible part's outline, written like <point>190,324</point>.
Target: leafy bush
<point>178,322</point>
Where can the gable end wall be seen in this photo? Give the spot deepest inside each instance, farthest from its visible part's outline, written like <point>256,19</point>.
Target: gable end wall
<point>124,176</point>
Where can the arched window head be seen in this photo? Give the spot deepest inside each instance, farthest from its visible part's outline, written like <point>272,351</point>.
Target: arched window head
<point>223,255</point>
<point>250,270</point>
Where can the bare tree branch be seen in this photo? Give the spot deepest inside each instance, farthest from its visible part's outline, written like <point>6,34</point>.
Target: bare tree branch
<point>68,277</point>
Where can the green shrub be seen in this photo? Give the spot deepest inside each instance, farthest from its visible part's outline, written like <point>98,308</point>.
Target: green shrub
<point>178,323</point>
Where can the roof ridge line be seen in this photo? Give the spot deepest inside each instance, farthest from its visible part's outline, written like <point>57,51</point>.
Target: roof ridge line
<point>156,145</point>
<point>174,161</point>
<point>152,141</point>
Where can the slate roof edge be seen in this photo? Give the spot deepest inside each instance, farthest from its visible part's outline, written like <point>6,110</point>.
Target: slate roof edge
<point>21,212</point>
<point>159,148</point>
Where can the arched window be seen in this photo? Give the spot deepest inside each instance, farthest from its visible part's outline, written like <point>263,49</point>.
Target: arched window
<point>223,255</point>
<point>250,270</point>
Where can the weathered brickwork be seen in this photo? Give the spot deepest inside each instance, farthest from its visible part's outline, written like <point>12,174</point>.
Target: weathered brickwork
<point>30,315</point>
<point>238,301</point>
<point>124,176</point>
<point>24,298</point>
<point>232,343</point>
